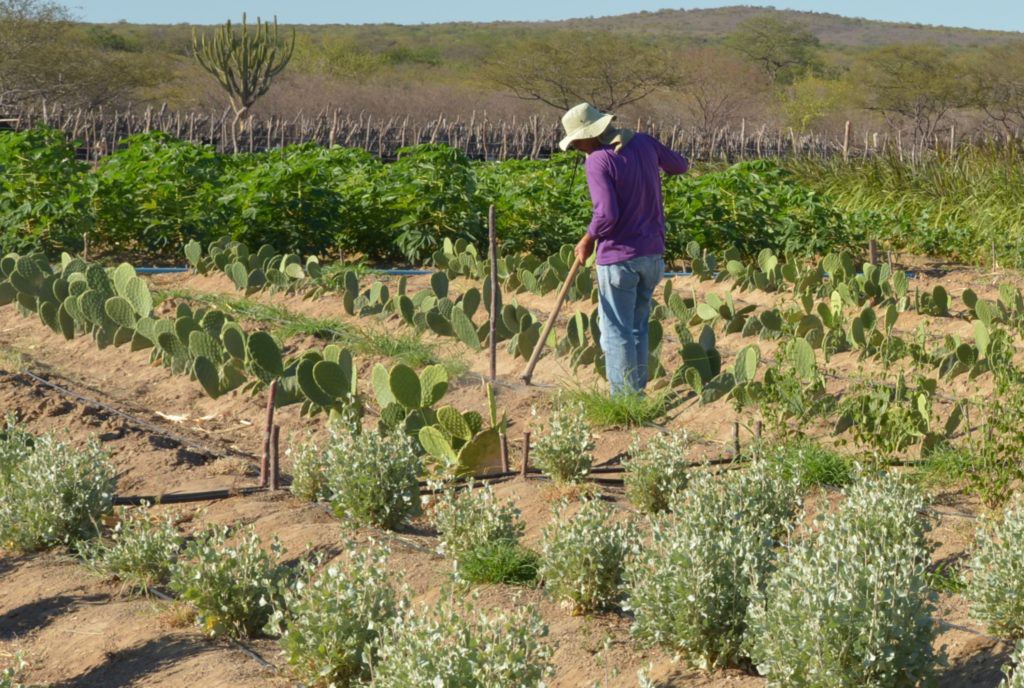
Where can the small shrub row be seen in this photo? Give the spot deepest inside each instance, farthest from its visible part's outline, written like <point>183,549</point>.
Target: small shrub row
<point>369,477</point>
<point>50,493</point>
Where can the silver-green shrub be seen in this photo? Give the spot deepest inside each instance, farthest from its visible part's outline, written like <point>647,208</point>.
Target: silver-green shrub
<point>582,556</point>
<point>140,551</point>
<point>1013,675</point>
<point>996,590</point>
<point>469,518</point>
<point>563,451</point>
<point>451,645</point>
<point>691,587</point>
<point>232,585</point>
<point>372,478</point>
<point>330,621</point>
<point>849,605</point>
<point>50,493</point>
<point>309,471</point>
<point>656,470</point>
<point>9,674</point>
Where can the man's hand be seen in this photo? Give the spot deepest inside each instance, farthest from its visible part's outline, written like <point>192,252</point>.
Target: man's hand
<point>584,248</point>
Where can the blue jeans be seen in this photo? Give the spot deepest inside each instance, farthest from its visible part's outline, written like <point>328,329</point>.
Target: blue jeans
<point>625,290</point>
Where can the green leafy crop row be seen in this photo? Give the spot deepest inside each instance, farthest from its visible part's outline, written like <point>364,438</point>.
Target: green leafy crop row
<point>156,194</point>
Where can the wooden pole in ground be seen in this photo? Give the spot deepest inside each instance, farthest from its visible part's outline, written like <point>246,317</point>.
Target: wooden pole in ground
<point>846,142</point>
<point>526,454</point>
<point>492,237</point>
<point>267,435</point>
<point>873,251</point>
<point>275,446</point>
<point>528,375</point>
<point>736,438</point>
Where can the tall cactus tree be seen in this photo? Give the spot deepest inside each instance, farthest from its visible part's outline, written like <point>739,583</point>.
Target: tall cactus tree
<point>245,62</point>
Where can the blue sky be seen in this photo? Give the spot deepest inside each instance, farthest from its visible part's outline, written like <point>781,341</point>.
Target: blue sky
<point>982,14</point>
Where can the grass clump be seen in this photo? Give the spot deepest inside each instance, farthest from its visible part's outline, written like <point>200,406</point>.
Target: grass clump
<point>330,622</point>
<point>850,605</point>
<point>809,463</point>
<point>996,589</point>
<point>233,587</point>
<point>627,409</point>
<point>691,588</point>
<point>372,478</point>
<point>500,561</point>
<point>50,493</point>
<point>140,551</point>
<point>582,556</point>
<point>451,644</point>
<point>563,451</point>
<point>656,470</point>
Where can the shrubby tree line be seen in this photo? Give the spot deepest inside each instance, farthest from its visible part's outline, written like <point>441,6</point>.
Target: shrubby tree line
<point>769,69</point>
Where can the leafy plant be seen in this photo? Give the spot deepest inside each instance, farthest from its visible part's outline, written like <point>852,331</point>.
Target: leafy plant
<point>850,604</point>
<point>233,587</point>
<point>50,493</point>
<point>656,470</point>
<point>331,621</point>
<point>471,518</point>
<point>997,574</point>
<point>691,588</point>
<point>582,555</point>
<point>452,645</point>
<point>372,478</point>
<point>140,552</point>
<point>564,451</point>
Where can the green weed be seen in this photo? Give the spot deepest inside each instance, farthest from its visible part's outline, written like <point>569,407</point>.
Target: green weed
<point>629,410</point>
<point>499,561</point>
<point>810,463</point>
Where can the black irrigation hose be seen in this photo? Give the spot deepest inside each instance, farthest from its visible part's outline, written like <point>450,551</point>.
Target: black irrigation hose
<point>131,419</point>
<point>186,497</point>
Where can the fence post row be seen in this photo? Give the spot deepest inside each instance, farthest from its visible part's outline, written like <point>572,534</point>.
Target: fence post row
<point>100,132</point>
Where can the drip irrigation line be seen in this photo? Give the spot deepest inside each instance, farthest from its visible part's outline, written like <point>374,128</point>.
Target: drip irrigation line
<point>131,419</point>
<point>186,497</point>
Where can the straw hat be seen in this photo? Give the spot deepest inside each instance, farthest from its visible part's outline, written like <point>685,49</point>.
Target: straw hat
<point>584,121</point>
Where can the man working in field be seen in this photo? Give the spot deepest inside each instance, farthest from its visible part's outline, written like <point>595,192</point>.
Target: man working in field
<point>629,227</point>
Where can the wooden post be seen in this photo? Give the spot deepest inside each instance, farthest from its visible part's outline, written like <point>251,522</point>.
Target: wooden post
<point>492,237</point>
<point>952,139</point>
<point>758,428</point>
<point>526,454</point>
<point>267,435</point>
<point>846,141</point>
<point>504,452</point>
<point>873,251</point>
<point>275,446</point>
<point>736,439</point>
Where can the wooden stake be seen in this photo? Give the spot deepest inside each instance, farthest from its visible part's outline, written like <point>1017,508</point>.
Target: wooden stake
<point>504,452</point>
<point>873,251</point>
<point>736,438</point>
<point>758,427</point>
<point>846,141</point>
<point>275,445</point>
<point>526,454</point>
<point>268,435</point>
<point>492,237</point>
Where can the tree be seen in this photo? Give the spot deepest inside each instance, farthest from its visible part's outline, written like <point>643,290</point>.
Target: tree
<point>717,87</point>
<point>244,63</point>
<point>996,76</point>
<point>568,67</point>
<point>43,55</point>
<point>784,49</point>
<point>911,86</point>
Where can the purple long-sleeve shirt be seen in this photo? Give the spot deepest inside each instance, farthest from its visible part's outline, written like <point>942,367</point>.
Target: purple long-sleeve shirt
<point>625,188</point>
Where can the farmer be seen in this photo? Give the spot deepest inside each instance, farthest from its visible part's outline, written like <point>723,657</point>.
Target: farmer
<point>628,226</point>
